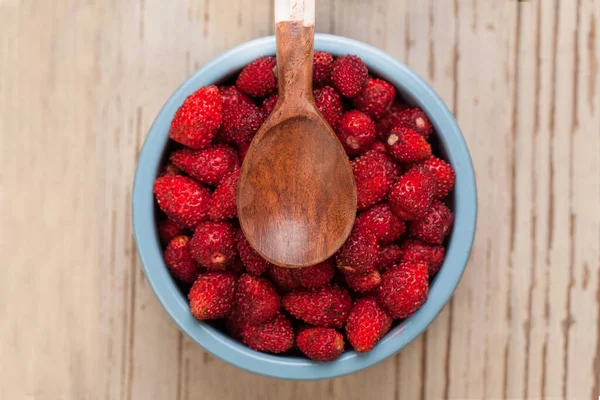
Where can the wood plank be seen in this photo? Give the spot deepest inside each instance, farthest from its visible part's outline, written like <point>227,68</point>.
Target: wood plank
<point>484,106</point>
<point>49,298</point>
<point>582,368</point>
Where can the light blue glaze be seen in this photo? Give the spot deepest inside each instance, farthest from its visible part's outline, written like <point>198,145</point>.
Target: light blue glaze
<point>412,88</point>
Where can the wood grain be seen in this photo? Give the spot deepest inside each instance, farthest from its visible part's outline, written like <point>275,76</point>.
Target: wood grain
<point>80,84</point>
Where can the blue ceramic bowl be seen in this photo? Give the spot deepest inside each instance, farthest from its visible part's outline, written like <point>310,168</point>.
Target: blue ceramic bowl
<point>449,141</point>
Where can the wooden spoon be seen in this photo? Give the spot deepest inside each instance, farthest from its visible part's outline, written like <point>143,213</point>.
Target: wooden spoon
<point>296,195</point>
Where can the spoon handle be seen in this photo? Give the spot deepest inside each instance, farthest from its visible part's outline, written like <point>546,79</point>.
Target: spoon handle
<point>294,34</point>
<point>295,10</point>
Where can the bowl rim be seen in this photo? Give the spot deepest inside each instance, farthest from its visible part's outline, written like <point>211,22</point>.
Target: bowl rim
<point>231,351</point>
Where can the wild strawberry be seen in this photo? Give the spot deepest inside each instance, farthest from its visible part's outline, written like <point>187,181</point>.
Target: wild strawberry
<point>358,255</point>
<point>213,245</point>
<point>404,289</point>
<point>329,104</point>
<point>363,283</point>
<point>254,263</point>
<point>389,256</point>
<point>435,226</point>
<point>274,336</point>
<point>179,260</point>
<point>197,121</point>
<point>413,193</point>
<point>407,145</point>
<point>242,150</point>
<point>322,64</point>
<point>222,204</point>
<point>256,299</point>
<point>416,251</point>
<point>284,279</point>
<point>390,120</point>
<point>184,200</point>
<point>356,131</point>
<point>320,344</point>
<point>349,75</point>
<point>212,295</point>
<point>444,175</point>
<point>374,174</point>
<point>236,267</point>
<point>268,104</point>
<point>317,275</point>
<point>327,306</point>
<point>209,165</point>
<point>382,222</point>
<point>235,324</point>
<point>169,230</point>
<point>257,78</point>
<point>415,119</point>
<point>376,98</point>
<point>170,169</point>
<point>367,324</point>
<point>379,146</point>
<point>241,117</point>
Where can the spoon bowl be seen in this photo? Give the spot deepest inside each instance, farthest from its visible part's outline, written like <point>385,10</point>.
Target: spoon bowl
<point>296,195</point>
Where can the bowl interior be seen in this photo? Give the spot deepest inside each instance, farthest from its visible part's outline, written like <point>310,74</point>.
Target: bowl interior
<point>448,143</point>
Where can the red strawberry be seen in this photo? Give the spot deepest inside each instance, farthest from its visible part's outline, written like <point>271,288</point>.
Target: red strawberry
<point>379,146</point>
<point>184,200</point>
<point>242,150</point>
<point>356,131</point>
<point>213,245</point>
<point>415,251</point>
<point>435,226</point>
<point>284,279</point>
<point>180,261</point>
<point>363,283</point>
<point>317,275</point>
<point>257,78</point>
<point>444,175</point>
<point>407,145</point>
<point>212,295</point>
<point>209,165</point>
<point>359,253</point>
<point>327,306</point>
<point>235,324</point>
<point>415,119</point>
<point>254,263</point>
<point>268,104</point>
<point>197,121</point>
<point>170,169</point>
<point>376,98</point>
<point>329,104</point>
<point>404,289</point>
<point>256,299</point>
<point>390,120</point>
<point>382,222</point>
<point>222,204</point>
<point>241,117</point>
<point>413,193</point>
<point>389,256</point>
<point>367,324</point>
<point>322,64</point>
<point>274,336</point>
<point>169,230</point>
<point>349,75</point>
<point>320,344</point>
<point>374,173</point>
<point>237,267</point>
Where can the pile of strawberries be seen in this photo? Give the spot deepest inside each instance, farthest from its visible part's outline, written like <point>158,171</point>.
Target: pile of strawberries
<point>381,273</point>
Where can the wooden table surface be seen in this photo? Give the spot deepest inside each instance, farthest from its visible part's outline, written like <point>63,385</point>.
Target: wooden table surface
<point>80,84</point>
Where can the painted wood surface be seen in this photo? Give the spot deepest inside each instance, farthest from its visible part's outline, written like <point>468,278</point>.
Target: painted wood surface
<point>80,84</point>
